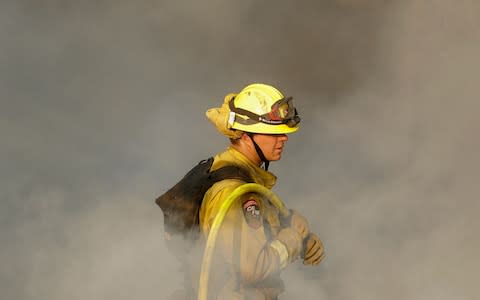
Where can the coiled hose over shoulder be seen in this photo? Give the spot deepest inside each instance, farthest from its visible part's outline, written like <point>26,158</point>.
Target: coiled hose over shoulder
<point>217,222</point>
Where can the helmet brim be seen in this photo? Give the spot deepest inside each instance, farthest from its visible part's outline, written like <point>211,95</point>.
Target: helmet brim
<point>266,128</point>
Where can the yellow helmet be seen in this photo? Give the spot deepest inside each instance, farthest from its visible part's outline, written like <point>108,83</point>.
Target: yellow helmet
<point>261,108</point>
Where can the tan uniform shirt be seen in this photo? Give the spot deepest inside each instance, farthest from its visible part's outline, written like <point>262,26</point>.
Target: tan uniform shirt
<point>245,265</point>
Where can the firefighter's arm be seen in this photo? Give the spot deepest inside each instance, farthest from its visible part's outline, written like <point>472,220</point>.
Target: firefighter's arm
<point>313,251</point>
<point>241,239</point>
<point>296,221</point>
<point>260,256</point>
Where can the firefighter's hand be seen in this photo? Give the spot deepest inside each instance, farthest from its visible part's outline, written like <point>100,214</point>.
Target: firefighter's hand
<point>299,223</point>
<point>314,251</point>
<point>292,241</point>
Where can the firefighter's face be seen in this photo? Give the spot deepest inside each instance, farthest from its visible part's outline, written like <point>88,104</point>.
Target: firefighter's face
<point>271,145</point>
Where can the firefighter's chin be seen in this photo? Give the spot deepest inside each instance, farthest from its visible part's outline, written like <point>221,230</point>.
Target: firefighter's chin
<point>277,154</point>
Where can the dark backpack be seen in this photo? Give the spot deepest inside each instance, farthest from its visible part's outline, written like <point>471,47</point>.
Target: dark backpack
<point>181,204</point>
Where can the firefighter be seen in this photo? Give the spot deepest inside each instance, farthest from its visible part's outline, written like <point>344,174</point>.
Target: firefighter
<point>254,243</point>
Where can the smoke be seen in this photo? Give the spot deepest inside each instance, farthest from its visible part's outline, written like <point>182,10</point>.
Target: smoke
<point>102,109</point>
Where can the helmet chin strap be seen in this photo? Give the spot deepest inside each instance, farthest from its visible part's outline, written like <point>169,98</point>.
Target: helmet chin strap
<point>259,152</point>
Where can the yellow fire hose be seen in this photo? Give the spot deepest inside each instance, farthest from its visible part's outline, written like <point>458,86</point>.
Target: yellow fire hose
<point>217,222</point>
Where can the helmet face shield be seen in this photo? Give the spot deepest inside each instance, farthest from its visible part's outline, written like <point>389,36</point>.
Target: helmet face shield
<point>282,112</point>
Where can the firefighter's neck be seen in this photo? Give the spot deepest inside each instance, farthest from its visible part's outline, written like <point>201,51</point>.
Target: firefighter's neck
<point>245,146</point>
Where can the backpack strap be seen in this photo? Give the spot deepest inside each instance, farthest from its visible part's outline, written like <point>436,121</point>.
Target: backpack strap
<point>230,172</point>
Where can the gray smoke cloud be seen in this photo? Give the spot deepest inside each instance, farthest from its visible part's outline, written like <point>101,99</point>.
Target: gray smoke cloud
<point>102,109</point>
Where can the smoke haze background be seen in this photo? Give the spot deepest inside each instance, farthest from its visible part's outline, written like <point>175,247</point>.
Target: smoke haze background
<point>102,109</point>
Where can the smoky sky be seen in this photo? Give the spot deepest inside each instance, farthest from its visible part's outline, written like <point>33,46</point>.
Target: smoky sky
<point>102,109</point>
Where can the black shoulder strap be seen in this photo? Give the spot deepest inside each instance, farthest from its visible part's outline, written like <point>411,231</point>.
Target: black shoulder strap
<point>230,172</point>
